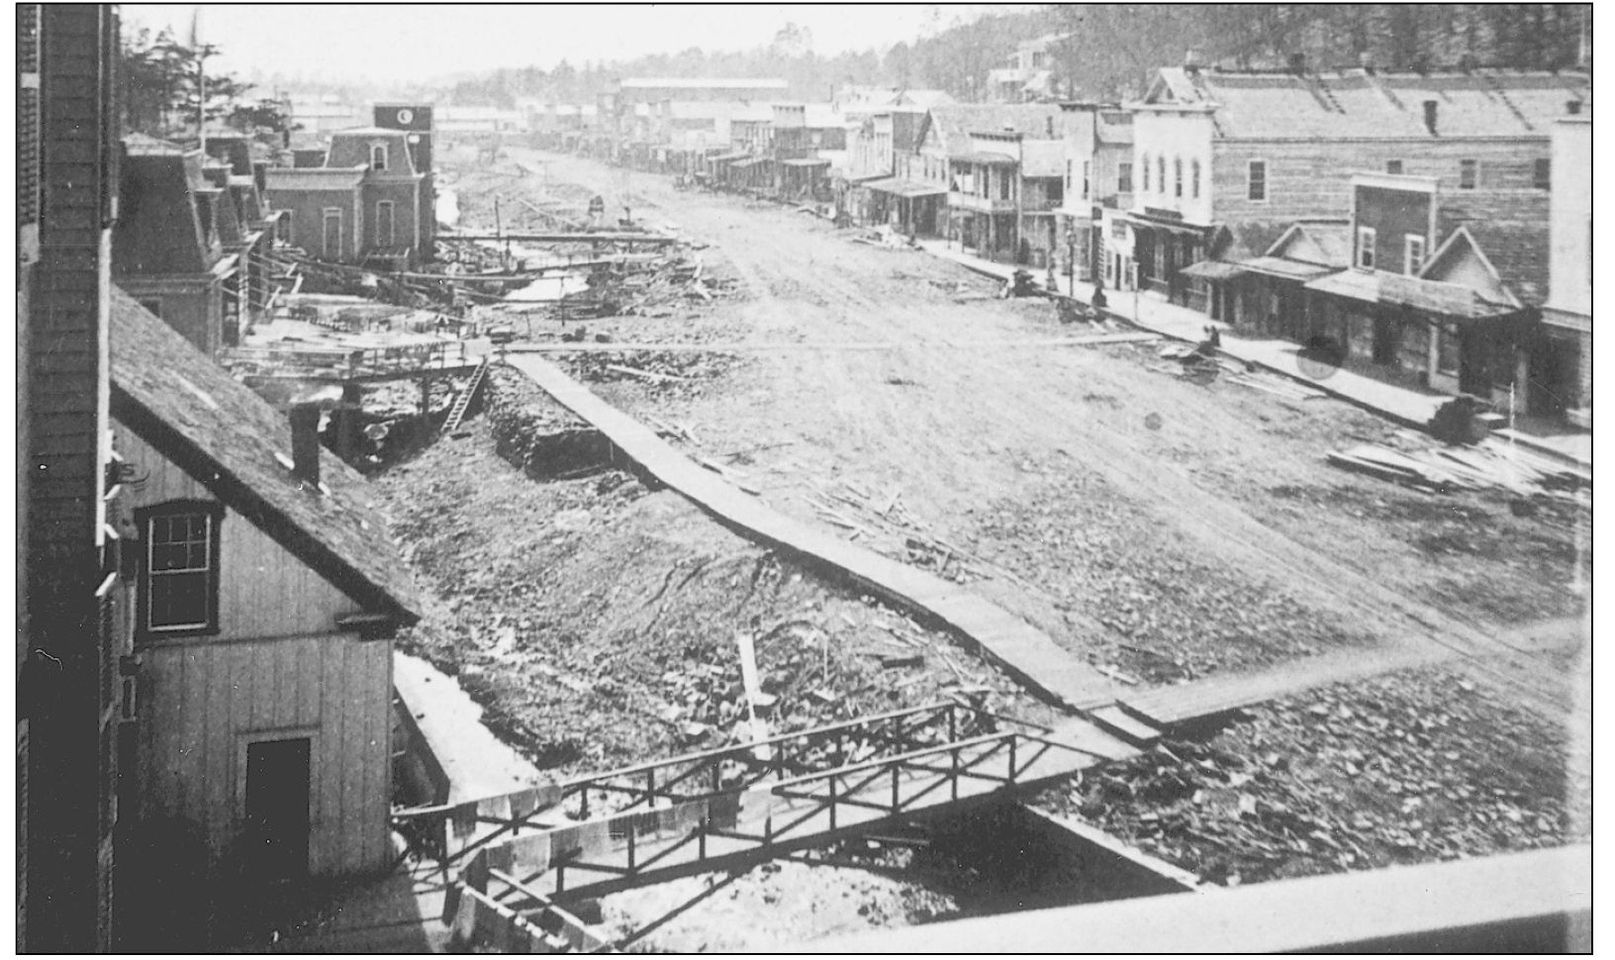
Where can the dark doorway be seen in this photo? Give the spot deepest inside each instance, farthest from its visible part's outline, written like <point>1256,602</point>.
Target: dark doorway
<point>1555,372</point>
<point>277,808</point>
<point>1475,363</point>
<point>1387,339</point>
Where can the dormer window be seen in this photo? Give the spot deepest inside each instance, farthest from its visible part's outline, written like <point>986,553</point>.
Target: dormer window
<point>378,157</point>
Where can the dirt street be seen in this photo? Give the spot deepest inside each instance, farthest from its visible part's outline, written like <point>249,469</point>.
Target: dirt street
<point>1144,512</point>
<point>1161,529</point>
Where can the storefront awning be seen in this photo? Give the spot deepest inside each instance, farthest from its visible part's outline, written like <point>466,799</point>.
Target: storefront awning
<point>727,157</point>
<point>1146,222</point>
<point>1213,270</point>
<point>1285,269</point>
<point>906,188</point>
<point>1352,284</point>
<point>751,162</point>
<point>1450,300</point>
<point>805,162</point>
<point>1568,319</point>
<point>985,159</point>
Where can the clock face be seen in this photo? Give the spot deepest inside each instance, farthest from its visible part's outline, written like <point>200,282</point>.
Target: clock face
<point>406,116</point>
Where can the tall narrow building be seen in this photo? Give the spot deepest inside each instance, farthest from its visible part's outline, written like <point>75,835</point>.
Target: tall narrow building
<point>69,643</point>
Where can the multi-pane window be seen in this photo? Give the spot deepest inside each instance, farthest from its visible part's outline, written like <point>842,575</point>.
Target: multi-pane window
<point>1194,179</point>
<point>378,157</point>
<point>1160,173</point>
<point>1087,171</point>
<point>1365,247</point>
<point>1146,173</point>
<point>1542,173</point>
<point>1124,177</point>
<point>1468,174</point>
<point>180,590</point>
<point>1393,167</point>
<point>1177,176</point>
<point>1256,180</point>
<point>1412,254</point>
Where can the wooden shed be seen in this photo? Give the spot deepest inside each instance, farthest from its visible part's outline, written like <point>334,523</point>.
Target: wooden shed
<point>267,597</point>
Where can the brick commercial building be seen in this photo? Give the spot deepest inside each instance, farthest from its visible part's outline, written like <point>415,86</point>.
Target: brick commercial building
<point>364,206</point>
<point>1254,152</point>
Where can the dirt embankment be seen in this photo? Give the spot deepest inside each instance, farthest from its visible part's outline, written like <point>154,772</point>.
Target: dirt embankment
<point>595,618</point>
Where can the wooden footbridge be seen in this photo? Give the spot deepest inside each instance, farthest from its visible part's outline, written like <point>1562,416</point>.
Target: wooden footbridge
<point>523,858</point>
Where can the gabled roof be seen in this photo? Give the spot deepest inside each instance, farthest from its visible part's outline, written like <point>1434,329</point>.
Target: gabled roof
<point>1462,250</point>
<point>227,437</point>
<point>955,122</point>
<point>1362,103</point>
<point>1326,243</point>
<point>1518,253</point>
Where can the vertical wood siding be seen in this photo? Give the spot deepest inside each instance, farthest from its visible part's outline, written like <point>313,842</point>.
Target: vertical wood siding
<point>276,670</point>
<point>201,703</point>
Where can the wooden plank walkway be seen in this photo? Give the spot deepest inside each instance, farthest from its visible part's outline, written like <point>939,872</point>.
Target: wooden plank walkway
<point>1024,651</point>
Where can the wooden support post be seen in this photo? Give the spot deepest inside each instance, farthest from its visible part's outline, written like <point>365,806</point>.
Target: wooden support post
<point>832,802</point>
<point>954,765</point>
<point>426,396</point>
<point>631,835</point>
<point>894,787</point>
<point>1012,771</point>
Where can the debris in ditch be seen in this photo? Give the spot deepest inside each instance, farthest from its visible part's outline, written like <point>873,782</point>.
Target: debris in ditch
<point>1400,769</point>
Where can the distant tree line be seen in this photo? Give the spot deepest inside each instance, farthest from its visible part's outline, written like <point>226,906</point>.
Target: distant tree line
<point>1111,50</point>
<point>163,80</point>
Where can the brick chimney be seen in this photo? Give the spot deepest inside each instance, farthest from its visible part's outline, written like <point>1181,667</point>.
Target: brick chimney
<point>1298,63</point>
<point>305,419</point>
<point>1191,61</point>
<point>1430,115</point>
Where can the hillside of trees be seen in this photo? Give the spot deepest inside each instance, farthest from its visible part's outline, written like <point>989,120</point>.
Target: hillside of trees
<point>1112,49</point>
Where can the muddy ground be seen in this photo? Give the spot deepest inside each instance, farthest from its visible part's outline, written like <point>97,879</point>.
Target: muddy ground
<point>1164,529</point>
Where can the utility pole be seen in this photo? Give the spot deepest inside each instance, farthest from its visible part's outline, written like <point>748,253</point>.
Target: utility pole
<point>201,79</point>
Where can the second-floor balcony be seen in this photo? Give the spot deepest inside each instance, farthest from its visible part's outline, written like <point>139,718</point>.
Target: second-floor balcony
<point>970,201</point>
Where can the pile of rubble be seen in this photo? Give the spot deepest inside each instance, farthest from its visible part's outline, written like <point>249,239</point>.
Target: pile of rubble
<point>1409,768</point>
<point>670,372</point>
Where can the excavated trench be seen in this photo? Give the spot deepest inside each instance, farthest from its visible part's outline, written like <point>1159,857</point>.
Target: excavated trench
<point>991,860</point>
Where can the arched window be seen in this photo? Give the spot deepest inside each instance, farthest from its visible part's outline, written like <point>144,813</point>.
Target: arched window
<point>1194,179</point>
<point>1160,173</point>
<point>1177,176</point>
<point>1146,166</point>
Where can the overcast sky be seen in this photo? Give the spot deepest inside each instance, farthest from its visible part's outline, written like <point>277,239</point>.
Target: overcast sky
<point>398,43</point>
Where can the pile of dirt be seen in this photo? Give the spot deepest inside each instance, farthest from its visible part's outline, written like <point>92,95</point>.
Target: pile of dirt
<point>595,620</point>
<point>1409,768</point>
<point>1168,614</point>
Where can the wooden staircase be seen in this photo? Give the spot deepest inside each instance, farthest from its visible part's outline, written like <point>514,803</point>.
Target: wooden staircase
<point>462,403</point>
